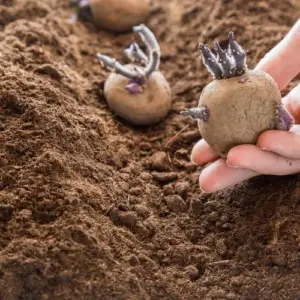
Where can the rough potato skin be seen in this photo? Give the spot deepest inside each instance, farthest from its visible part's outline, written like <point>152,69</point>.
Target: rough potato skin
<point>147,108</point>
<point>240,108</point>
<point>119,15</point>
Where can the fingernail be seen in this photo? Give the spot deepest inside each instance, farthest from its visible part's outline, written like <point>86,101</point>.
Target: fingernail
<point>262,148</point>
<point>195,163</point>
<point>231,166</point>
<point>202,190</point>
<point>193,160</point>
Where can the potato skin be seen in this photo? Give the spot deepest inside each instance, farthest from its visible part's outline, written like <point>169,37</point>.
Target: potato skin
<point>147,108</point>
<point>240,108</point>
<point>119,15</point>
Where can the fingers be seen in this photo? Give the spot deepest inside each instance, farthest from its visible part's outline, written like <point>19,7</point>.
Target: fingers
<point>218,175</point>
<point>283,143</point>
<point>260,161</point>
<point>292,102</point>
<point>202,153</point>
<point>283,61</point>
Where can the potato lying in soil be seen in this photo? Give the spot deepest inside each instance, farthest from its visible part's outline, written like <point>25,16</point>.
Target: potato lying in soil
<point>114,15</point>
<point>138,94</point>
<point>239,104</point>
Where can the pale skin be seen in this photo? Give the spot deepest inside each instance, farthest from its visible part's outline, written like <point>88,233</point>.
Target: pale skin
<point>277,152</point>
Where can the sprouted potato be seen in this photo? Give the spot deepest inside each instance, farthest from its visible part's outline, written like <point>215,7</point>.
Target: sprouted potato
<point>138,92</point>
<point>239,104</point>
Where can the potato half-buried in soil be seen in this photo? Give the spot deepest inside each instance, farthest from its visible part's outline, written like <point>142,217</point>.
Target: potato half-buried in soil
<point>147,108</point>
<point>119,15</point>
<point>240,109</point>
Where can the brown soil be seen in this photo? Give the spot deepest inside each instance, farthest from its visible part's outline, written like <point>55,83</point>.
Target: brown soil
<point>93,208</point>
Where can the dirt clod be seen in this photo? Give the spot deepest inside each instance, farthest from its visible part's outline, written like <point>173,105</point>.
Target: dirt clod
<point>135,191</point>
<point>279,260</point>
<point>164,177</point>
<point>182,188</point>
<point>6,212</point>
<point>231,296</point>
<point>168,190</point>
<point>193,273</point>
<point>221,247</point>
<point>217,294</point>
<point>213,217</point>
<point>159,161</point>
<point>146,176</point>
<point>237,281</point>
<point>142,210</point>
<point>196,206</point>
<point>114,214</point>
<point>175,203</point>
<point>128,219</point>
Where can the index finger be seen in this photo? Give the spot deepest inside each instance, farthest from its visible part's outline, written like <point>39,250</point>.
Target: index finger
<point>202,153</point>
<point>283,61</point>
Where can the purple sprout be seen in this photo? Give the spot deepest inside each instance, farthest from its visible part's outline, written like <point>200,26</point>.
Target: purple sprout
<point>135,85</point>
<point>137,76</point>
<point>201,113</point>
<point>284,120</point>
<point>135,54</point>
<point>227,63</point>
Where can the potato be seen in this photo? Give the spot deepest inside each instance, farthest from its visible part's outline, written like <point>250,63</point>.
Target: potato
<point>146,108</point>
<point>138,92</point>
<point>240,109</point>
<point>119,15</point>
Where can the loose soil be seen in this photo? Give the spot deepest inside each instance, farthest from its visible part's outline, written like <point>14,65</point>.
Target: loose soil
<point>94,208</point>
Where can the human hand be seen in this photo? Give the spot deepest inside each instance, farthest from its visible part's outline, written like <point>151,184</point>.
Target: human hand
<point>277,152</point>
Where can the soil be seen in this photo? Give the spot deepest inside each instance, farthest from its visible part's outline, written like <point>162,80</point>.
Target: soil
<point>94,208</point>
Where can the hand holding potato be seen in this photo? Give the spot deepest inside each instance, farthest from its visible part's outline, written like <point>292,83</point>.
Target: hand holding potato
<point>276,152</point>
